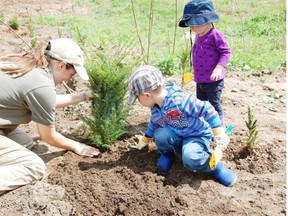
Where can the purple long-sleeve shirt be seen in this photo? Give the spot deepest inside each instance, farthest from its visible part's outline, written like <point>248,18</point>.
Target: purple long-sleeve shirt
<point>208,51</point>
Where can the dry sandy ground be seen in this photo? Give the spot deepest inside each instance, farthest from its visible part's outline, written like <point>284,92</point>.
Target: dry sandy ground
<point>125,181</point>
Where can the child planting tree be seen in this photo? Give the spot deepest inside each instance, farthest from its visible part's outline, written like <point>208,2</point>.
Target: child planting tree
<point>180,124</point>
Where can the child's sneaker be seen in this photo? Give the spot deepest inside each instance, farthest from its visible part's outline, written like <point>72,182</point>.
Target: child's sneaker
<point>224,175</point>
<point>166,160</point>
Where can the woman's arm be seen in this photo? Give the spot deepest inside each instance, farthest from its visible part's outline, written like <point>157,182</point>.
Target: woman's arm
<point>73,98</point>
<point>52,137</point>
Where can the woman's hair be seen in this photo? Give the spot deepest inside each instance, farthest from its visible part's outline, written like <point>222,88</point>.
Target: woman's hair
<point>19,64</point>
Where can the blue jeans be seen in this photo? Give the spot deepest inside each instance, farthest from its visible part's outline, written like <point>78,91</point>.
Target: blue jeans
<point>212,92</point>
<point>194,151</point>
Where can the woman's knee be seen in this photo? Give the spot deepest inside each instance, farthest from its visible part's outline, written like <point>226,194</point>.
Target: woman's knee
<point>21,137</point>
<point>22,170</point>
<point>19,164</point>
<point>40,169</point>
<point>34,165</point>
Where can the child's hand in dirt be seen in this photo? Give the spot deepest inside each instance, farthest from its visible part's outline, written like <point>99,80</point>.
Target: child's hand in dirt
<point>142,142</point>
<point>85,150</point>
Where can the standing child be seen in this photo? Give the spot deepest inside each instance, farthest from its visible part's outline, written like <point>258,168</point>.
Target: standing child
<point>210,53</point>
<point>179,123</point>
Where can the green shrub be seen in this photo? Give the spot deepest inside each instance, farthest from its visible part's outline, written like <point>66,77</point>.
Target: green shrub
<point>167,65</point>
<point>108,81</point>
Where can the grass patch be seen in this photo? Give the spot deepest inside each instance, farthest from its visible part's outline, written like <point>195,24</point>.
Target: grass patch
<point>255,31</point>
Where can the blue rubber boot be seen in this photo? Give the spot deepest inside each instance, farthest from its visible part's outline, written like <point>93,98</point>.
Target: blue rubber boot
<point>224,175</point>
<point>166,160</point>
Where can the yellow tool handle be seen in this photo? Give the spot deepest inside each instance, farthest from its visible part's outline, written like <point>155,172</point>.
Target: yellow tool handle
<point>215,157</point>
<point>187,77</point>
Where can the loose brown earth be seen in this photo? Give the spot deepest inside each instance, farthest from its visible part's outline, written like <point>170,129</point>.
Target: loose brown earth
<point>125,181</point>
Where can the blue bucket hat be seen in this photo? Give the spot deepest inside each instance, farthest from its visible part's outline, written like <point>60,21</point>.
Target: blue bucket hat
<point>197,13</point>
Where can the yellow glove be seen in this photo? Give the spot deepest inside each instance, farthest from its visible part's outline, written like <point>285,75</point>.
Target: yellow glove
<point>221,140</point>
<point>143,141</point>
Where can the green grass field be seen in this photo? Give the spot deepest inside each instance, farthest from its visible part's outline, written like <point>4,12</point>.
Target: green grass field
<point>256,31</point>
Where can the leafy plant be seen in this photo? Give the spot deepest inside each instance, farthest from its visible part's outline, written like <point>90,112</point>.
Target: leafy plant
<point>252,131</point>
<point>167,65</point>
<point>14,23</point>
<point>184,58</point>
<point>108,81</point>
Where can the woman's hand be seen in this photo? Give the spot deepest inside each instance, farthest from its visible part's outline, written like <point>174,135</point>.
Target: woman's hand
<point>85,150</point>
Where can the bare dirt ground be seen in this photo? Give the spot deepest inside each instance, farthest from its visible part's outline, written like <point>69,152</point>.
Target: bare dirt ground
<point>125,181</point>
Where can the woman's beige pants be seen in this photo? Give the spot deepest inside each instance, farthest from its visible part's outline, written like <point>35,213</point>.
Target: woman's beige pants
<point>18,165</point>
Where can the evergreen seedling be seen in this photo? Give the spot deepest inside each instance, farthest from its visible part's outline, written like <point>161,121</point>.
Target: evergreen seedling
<point>252,131</point>
<point>108,81</point>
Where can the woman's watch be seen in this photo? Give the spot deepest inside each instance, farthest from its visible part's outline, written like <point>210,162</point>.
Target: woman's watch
<point>84,96</point>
